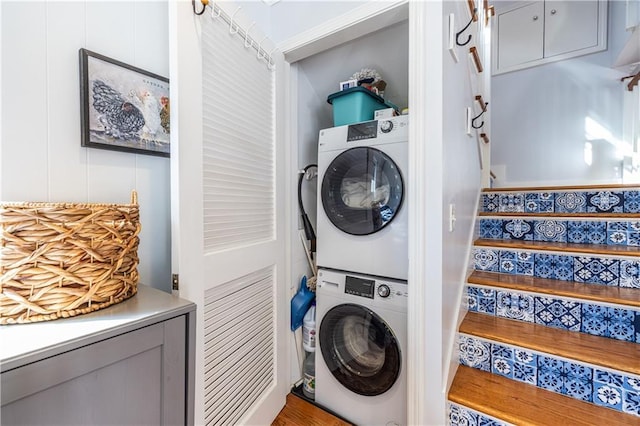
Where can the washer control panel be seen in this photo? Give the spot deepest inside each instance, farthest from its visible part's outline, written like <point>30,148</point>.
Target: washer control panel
<point>387,291</point>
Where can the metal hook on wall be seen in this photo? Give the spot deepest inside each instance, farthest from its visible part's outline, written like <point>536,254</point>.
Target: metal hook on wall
<point>204,6</point>
<point>231,30</point>
<point>213,14</point>
<point>271,65</point>
<point>473,120</point>
<point>260,55</point>
<point>246,36</point>
<point>459,33</point>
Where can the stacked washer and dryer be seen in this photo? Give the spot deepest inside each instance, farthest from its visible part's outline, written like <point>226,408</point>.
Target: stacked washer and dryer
<point>362,257</point>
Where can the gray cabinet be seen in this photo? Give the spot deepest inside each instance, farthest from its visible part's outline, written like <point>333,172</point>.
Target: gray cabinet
<point>534,33</point>
<point>130,364</point>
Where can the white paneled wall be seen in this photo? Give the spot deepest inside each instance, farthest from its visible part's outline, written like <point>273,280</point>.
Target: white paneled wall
<point>40,154</point>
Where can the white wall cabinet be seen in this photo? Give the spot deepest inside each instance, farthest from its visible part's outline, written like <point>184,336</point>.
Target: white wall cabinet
<point>540,32</point>
<point>129,364</point>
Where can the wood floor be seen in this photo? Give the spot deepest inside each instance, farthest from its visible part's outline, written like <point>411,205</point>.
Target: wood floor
<point>299,412</point>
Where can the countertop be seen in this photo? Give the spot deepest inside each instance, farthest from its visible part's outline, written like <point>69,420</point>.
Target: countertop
<point>24,343</point>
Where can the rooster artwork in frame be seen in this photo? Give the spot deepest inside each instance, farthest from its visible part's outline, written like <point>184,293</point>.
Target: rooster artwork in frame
<point>124,108</point>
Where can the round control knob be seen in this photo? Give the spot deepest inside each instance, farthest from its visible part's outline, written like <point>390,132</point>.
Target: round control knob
<point>386,126</point>
<point>384,290</point>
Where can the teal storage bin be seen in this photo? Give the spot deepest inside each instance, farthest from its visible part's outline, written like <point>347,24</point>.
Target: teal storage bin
<point>355,105</point>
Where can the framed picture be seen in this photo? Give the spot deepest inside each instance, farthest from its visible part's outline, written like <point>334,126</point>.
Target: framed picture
<point>124,108</point>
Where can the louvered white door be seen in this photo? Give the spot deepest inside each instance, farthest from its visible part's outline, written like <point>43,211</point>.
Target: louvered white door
<point>228,205</point>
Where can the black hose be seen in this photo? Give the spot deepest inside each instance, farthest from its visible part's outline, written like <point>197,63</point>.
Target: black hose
<point>309,233</point>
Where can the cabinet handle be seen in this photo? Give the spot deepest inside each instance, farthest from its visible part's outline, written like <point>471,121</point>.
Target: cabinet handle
<point>535,17</point>
<point>553,11</point>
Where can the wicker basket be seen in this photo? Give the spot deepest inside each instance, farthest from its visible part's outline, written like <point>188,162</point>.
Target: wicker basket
<point>59,260</point>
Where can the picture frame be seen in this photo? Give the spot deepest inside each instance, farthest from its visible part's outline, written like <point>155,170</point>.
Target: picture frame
<point>124,108</point>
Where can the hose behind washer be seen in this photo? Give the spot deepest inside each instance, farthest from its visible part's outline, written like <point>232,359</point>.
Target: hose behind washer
<point>306,223</point>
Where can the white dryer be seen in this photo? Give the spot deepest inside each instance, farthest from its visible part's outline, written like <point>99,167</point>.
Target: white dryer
<point>362,212</point>
<point>361,371</point>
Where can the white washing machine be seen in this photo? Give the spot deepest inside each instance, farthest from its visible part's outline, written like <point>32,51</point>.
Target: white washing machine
<point>362,212</point>
<point>361,371</point>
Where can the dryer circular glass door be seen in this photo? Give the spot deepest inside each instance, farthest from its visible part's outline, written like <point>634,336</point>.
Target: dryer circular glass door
<point>362,190</point>
<point>359,349</point>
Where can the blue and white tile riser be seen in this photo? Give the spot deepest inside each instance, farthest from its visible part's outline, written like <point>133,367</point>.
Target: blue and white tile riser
<point>589,383</point>
<point>609,232</point>
<point>611,321</point>
<point>588,201</point>
<point>593,269</point>
<point>463,416</point>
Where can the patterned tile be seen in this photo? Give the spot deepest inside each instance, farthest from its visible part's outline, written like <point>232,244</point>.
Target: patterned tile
<point>463,416</point>
<point>490,202</point>
<point>517,229</point>
<point>551,230</point>
<point>553,266</point>
<point>617,233</point>
<point>608,389</point>
<point>608,322</point>
<point>596,270</point>
<point>481,300</point>
<point>629,273</point>
<point>491,228</point>
<point>631,201</point>
<point>502,360</point>
<point>570,202</point>
<point>605,201</point>
<point>558,313</point>
<point>474,353</point>
<point>539,202</point>
<point>565,377</point>
<point>515,306</point>
<point>511,203</point>
<point>631,395</point>
<point>586,232</point>
<point>486,260</point>
<point>459,416</point>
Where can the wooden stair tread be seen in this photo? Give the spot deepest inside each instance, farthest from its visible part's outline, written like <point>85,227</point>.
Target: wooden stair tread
<point>563,215</point>
<point>604,249</point>
<point>621,186</point>
<point>596,350</point>
<point>591,292</point>
<point>523,404</point>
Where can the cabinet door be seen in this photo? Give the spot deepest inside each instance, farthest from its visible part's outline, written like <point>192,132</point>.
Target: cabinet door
<point>570,26</point>
<point>520,35</point>
<point>137,378</point>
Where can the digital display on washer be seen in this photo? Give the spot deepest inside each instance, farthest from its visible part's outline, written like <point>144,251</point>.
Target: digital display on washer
<point>359,287</point>
<point>361,131</point>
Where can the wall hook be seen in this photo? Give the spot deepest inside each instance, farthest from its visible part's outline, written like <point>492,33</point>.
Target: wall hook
<point>473,120</point>
<point>459,33</point>
<point>271,65</point>
<point>260,55</point>
<point>231,30</point>
<point>204,6</point>
<point>246,36</point>
<point>215,15</point>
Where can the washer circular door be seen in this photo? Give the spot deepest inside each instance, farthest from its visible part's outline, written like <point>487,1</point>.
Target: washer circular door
<point>360,349</point>
<point>362,190</point>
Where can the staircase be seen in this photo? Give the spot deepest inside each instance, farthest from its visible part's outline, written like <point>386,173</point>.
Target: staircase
<point>552,332</point>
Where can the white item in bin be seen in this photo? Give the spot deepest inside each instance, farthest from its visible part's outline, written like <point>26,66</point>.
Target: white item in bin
<point>383,113</point>
<point>348,84</point>
<point>309,329</point>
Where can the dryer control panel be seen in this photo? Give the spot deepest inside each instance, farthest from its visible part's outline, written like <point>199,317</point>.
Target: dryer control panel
<point>366,133</point>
